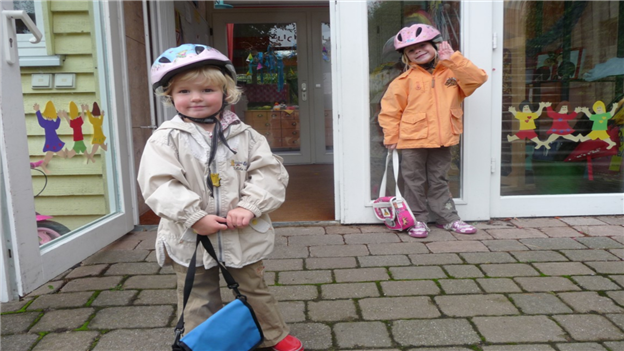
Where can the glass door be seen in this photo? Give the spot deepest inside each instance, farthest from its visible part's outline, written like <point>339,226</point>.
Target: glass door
<point>561,134</point>
<point>64,159</point>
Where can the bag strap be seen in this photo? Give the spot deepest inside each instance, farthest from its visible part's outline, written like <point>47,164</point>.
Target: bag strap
<point>395,167</point>
<point>190,278</point>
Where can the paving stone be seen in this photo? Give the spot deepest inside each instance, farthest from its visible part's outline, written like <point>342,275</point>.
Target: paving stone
<point>563,268</point>
<point>436,332</point>
<point>538,222</point>
<point>479,235</point>
<point>151,257</point>
<point>539,256</point>
<point>96,283</point>
<point>292,311</point>
<point>360,275</point>
<point>384,261</point>
<point>87,271</point>
<point>498,285</point>
<point>434,259</point>
<point>18,342</point>
<point>523,347</point>
<point>617,319</point>
<point>151,282</point>
<point>362,334</point>
<point>136,340</point>
<point>600,243</point>
<point>617,252</point>
<point>617,296</point>
<point>615,220</point>
<point>516,233</point>
<point>78,299</point>
<point>342,229</point>
<point>504,245</point>
<point>157,297</point>
<point>133,268</point>
<point>519,329</point>
<point>393,308</point>
<point>378,228</point>
<point>457,246</point>
<point>284,265</point>
<point>582,221</point>
<point>338,251</point>
<point>116,256</point>
<point>607,267</point>
<point>60,320</point>
<point>47,288</point>
<point>330,262</point>
<point>132,317</point>
<point>289,252</point>
<point>475,305</point>
<point>407,288</point>
<point>618,279</point>
<point>615,345</point>
<point>17,322</point>
<point>316,240</point>
<point>295,292</point>
<point>435,235</point>
<point>332,311</point>
<point>291,231</point>
<point>590,301</point>
<point>425,272</point>
<point>459,286</point>
<point>463,271</point>
<point>552,244</point>
<point>305,277</point>
<point>114,298</point>
<point>75,341</point>
<point>281,241</point>
<point>589,327</point>
<point>397,249</point>
<point>601,230</point>
<point>488,257</point>
<point>376,238</point>
<point>349,291</point>
<point>546,284</point>
<point>317,336</point>
<point>589,255</point>
<point>585,346</point>
<point>561,232</point>
<point>595,283</point>
<point>509,270</point>
<point>494,224</point>
<point>539,303</point>
<point>13,306</point>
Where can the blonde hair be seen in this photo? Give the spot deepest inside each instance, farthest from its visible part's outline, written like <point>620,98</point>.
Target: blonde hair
<point>406,61</point>
<point>599,104</point>
<point>210,75</point>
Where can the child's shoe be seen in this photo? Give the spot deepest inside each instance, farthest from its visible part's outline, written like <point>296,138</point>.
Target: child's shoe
<point>459,226</point>
<point>419,230</point>
<point>289,343</point>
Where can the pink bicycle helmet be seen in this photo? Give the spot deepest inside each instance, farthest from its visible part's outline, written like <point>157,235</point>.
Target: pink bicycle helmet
<point>185,57</point>
<point>417,33</point>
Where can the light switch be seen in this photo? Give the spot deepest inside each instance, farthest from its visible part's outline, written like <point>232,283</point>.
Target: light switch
<point>65,80</point>
<point>41,81</point>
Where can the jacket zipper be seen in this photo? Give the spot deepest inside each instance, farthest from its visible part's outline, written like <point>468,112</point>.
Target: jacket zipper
<point>435,94</point>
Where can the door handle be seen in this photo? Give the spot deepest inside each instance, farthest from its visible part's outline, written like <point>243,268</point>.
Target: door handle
<point>10,41</point>
<point>304,92</point>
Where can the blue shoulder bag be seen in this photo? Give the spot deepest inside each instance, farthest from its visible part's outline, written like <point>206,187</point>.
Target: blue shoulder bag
<point>233,328</point>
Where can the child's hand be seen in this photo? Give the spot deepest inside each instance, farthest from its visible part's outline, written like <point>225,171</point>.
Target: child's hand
<point>390,146</point>
<point>36,107</point>
<point>445,51</point>
<point>209,224</point>
<point>239,218</point>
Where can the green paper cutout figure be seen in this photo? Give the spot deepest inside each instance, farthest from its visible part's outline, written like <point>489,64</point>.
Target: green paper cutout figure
<point>527,123</point>
<point>600,119</point>
<point>50,122</point>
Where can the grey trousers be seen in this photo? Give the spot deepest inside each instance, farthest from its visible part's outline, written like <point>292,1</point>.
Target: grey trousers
<point>428,168</point>
<point>205,299</point>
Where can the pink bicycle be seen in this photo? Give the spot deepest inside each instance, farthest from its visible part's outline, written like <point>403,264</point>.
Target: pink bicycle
<point>47,230</point>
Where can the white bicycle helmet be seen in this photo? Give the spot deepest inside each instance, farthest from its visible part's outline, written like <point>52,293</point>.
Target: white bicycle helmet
<point>417,33</point>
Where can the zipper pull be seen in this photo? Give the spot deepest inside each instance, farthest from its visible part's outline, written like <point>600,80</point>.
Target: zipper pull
<point>433,82</point>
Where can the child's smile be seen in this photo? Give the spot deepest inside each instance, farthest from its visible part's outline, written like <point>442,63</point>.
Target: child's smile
<point>197,99</point>
<point>421,53</point>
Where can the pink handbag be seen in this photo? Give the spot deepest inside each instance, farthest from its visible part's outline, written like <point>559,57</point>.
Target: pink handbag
<point>393,210</point>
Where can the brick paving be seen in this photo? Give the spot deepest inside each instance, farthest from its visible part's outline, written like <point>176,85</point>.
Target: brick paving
<point>543,284</point>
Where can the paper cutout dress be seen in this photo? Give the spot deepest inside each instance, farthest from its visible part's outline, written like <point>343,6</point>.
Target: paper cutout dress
<point>561,122</point>
<point>50,122</point>
<point>96,118</point>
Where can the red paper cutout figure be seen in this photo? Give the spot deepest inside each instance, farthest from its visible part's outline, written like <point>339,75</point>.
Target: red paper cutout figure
<point>561,122</point>
<point>75,121</point>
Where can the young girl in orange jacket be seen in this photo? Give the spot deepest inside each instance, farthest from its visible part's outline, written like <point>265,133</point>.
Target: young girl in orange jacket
<point>421,115</point>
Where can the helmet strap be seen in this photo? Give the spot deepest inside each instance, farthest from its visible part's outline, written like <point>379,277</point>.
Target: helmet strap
<point>206,120</point>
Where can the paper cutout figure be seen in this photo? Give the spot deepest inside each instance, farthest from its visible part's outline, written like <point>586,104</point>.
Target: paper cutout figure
<point>561,122</point>
<point>600,119</point>
<point>96,119</point>
<point>50,122</point>
<point>75,121</point>
<point>593,149</point>
<point>527,123</point>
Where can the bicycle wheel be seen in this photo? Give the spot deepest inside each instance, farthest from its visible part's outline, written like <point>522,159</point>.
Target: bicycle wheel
<point>50,230</point>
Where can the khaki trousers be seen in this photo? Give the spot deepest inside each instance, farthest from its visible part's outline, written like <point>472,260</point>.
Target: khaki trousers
<point>205,299</point>
<point>428,167</point>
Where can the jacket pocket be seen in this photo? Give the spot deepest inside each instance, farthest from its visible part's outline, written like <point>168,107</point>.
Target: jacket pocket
<point>456,120</point>
<point>414,126</point>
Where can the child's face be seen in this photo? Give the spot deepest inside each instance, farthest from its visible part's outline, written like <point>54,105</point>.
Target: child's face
<point>421,53</point>
<point>196,98</point>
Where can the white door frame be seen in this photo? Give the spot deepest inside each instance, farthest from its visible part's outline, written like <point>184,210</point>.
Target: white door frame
<point>351,114</point>
<point>32,266</point>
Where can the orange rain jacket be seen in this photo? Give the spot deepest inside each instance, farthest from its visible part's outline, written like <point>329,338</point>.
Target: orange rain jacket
<point>423,110</point>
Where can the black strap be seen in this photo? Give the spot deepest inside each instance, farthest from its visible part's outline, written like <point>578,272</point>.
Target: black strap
<point>190,277</point>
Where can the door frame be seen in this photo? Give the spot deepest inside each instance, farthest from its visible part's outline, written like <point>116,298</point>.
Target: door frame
<point>30,265</point>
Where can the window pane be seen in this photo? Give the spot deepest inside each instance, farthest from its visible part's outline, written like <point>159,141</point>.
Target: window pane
<point>29,7</point>
<point>562,97</point>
